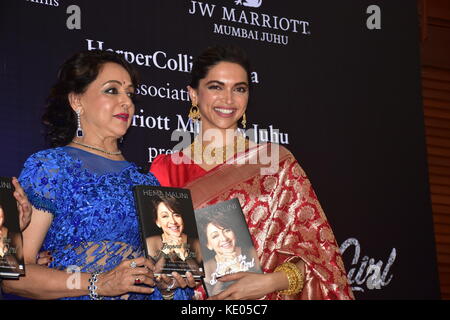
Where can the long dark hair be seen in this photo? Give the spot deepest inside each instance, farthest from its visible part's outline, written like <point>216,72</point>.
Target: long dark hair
<point>214,55</point>
<point>74,76</point>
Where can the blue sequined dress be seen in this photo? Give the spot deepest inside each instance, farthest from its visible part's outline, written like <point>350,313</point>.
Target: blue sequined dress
<point>95,224</point>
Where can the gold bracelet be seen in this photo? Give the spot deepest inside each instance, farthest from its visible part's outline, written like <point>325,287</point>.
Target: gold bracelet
<point>295,278</point>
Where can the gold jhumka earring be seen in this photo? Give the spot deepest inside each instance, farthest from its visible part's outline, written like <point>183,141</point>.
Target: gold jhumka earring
<point>194,113</point>
<point>244,121</point>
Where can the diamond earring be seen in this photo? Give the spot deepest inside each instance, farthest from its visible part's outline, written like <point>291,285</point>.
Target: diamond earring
<point>79,129</point>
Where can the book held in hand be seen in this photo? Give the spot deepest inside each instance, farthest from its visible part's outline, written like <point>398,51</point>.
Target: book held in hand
<point>11,252</point>
<point>226,243</point>
<point>169,230</point>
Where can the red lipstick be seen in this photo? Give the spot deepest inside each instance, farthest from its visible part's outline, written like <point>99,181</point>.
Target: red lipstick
<point>122,116</point>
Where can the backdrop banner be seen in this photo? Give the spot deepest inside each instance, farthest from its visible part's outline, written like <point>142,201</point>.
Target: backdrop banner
<point>336,82</point>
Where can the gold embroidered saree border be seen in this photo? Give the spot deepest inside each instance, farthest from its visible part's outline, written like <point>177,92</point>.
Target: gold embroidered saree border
<point>227,175</point>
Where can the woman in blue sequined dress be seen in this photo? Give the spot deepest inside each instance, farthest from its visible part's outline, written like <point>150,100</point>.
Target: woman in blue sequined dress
<point>81,192</point>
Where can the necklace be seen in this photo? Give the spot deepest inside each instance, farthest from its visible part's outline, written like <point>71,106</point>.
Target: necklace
<point>98,149</point>
<point>220,154</point>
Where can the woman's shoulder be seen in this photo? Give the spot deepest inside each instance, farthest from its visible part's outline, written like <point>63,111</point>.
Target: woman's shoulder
<point>210,264</point>
<point>41,178</point>
<point>48,155</point>
<point>280,158</point>
<point>51,161</point>
<point>139,176</point>
<point>154,244</point>
<point>47,158</point>
<point>161,158</point>
<point>272,150</point>
<point>161,162</point>
<point>154,240</point>
<point>164,160</point>
<point>171,169</point>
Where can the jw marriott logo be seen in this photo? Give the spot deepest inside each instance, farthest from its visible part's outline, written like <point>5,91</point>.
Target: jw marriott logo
<point>248,24</point>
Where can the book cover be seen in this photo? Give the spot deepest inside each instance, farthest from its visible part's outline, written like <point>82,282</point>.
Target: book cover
<point>168,229</point>
<point>226,243</point>
<point>11,252</point>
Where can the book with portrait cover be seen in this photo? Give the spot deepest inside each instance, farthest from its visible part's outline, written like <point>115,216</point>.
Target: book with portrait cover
<point>226,243</point>
<point>168,229</point>
<point>11,251</point>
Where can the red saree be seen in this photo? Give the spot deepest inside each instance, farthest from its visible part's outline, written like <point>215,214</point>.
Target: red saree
<point>283,214</point>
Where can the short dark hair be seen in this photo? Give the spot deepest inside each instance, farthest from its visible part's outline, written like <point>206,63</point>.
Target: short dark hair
<point>172,203</point>
<point>214,55</point>
<point>221,220</point>
<point>75,75</point>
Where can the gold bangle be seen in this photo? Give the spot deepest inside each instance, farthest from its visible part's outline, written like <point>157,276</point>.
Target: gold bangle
<point>295,278</point>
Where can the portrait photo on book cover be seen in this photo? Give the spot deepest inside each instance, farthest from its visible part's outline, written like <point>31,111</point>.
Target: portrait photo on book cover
<point>11,253</point>
<point>225,242</point>
<point>169,230</point>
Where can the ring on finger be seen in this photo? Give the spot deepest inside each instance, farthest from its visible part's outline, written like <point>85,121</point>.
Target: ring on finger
<point>133,264</point>
<point>137,281</point>
<point>170,286</point>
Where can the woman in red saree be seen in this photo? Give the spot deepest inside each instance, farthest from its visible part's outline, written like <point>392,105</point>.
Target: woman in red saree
<point>293,239</point>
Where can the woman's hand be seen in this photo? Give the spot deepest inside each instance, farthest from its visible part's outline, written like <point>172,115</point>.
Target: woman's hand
<point>44,258</point>
<point>166,283</point>
<point>248,286</point>
<point>172,239</point>
<point>126,277</point>
<point>23,205</point>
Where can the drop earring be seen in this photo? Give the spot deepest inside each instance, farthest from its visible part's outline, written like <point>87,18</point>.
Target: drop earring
<point>244,121</point>
<point>194,113</point>
<point>79,129</point>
